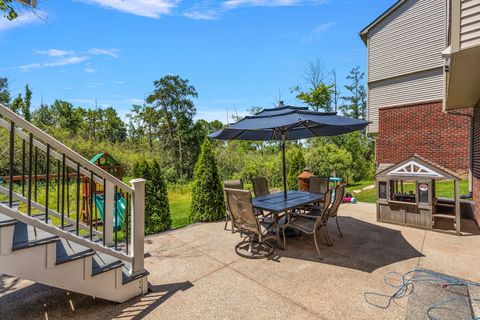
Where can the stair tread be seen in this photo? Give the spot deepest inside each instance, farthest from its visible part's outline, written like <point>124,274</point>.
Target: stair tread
<point>126,278</point>
<point>25,236</point>
<point>69,251</point>
<point>103,263</point>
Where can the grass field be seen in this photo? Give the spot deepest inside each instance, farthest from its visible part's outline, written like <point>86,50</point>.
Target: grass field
<point>179,207</point>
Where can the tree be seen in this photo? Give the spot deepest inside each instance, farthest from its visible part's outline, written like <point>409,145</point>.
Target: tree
<point>42,117</point>
<point>113,129</point>
<point>66,116</point>
<point>336,92</point>
<point>297,165</point>
<point>7,7</point>
<point>147,120</point>
<point>319,98</point>
<point>172,97</point>
<point>157,209</point>
<point>319,93</point>
<point>4,92</point>
<point>27,103</point>
<point>208,203</point>
<point>17,104</point>
<point>327,159</point>
<point>355,105</point>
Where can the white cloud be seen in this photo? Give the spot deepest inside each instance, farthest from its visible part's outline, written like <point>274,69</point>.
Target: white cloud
<point>54,63</point>
<point>144,8</point>
<point>232,4</point>
<point>60,57</point>
<point>318,31</point>
<point>136,101</point>
<point>119,82</point>
<point>55,52</point>
<point>213,12</point>
<point>107,52</point>
<point>90,70</point>
<point>25,18</point>
<point>202,15</point>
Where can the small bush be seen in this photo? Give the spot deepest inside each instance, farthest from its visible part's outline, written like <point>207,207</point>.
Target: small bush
<point>207,191</point>
<point>297,165</point>
<point>157,209</point>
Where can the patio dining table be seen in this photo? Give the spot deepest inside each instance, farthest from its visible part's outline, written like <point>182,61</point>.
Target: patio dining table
<point>276,203</point>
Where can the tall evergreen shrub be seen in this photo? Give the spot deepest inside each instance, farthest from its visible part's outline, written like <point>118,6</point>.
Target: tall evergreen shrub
<point>207,192</point>
<point>297,165</point>
<point>157,209</point>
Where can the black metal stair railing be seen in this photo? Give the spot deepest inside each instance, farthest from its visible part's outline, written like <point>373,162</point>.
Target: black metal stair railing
<point>41,172</point>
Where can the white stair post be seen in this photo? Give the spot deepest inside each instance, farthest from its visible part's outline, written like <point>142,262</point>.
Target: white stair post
<point>138,225</point>
<point>108,219</point>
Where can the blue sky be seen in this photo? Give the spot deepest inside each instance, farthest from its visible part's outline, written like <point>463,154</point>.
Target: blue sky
<point>237,53</point>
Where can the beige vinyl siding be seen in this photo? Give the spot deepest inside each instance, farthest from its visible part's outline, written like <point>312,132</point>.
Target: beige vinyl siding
<point>410,39</point>
<point>420,87</point>
<point>470,24</point>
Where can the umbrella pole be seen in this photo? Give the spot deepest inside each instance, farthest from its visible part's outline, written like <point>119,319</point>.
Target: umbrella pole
<point>284,167</point>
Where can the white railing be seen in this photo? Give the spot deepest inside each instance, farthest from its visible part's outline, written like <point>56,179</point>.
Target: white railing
<point>42,141</point>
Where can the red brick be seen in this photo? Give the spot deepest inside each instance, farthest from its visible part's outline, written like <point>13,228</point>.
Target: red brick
<point>424,129</point>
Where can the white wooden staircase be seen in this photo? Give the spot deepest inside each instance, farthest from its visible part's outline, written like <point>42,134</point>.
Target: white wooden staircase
<point>53,246</point>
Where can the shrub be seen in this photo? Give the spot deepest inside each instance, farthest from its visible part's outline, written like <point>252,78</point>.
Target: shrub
<point>207,191</point>
<point>157,209</point>
<point>297,165</point>
<point>328,160</point>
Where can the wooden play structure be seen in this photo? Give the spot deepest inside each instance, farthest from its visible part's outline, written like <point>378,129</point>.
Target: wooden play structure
<point>406,194</point>
<point>112,166</point>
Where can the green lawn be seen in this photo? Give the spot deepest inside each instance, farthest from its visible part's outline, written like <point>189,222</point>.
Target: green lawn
<point>179,207</point>
<point>443,188</point>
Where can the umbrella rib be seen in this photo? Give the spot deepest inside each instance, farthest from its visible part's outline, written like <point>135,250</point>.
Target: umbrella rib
<point>236,136</point>
<point>308,128</point>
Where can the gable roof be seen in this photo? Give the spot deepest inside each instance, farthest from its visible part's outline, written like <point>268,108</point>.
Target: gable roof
<point>108,159</point>
<point>417,166</point>
<point>364,32</point>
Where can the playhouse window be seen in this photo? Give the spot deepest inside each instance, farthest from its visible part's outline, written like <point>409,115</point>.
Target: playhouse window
<point>423,192</point>
<point>402,191</point>
<point>382,190</point>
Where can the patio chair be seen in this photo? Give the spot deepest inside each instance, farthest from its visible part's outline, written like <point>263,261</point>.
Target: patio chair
<point>260,187</point>
<point>311,224</point>
<point>231,184</point>
<point>256,231</point>
<point>317,185</point>
<point>339,196</point>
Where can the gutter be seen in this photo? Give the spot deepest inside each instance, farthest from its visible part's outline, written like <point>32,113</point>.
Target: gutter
<point>470,170</point>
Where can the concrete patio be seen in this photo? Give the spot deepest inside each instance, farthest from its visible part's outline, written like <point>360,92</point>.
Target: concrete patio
<point>195,273</point>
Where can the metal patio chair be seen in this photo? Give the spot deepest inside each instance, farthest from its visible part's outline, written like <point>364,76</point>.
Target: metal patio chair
<point>311,224</point>
<point>260,187</point>
<point>317,185</point>
<point>254,231</point>
<point>231,184</point>
<point>339,196</point>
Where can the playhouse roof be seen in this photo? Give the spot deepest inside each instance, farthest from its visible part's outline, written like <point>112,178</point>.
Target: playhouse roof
<point>417,166</point>
<point>109,160</point>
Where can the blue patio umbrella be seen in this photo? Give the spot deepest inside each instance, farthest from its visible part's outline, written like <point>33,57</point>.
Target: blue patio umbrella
<point>287,123</point>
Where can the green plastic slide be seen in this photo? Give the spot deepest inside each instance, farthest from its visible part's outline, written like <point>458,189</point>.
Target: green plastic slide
<point>119,211</point>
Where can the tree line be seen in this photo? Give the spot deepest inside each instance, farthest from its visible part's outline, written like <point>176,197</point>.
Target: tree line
<point>164,128</point>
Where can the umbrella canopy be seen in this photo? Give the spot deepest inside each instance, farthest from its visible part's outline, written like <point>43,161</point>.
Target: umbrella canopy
<point>294,123</point>
<point>288,123</point>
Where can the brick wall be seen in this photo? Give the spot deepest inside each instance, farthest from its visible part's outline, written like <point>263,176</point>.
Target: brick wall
<point>476,160</point>
<point>424,129</point>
